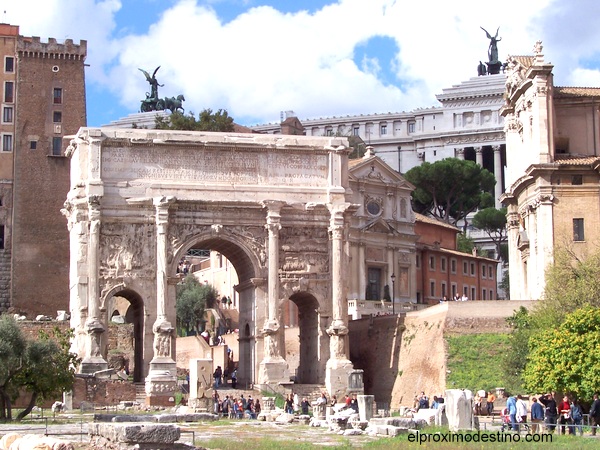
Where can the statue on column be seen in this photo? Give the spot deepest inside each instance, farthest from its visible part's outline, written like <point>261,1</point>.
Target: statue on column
<point>493,64</point>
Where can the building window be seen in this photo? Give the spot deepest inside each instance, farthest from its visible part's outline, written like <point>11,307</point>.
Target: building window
<point>483,294</point>
<point>7,114</point>
<point>483,273</point>
<point>491,295</point>
<point>1,236</point>
<point>466,291</point>
<point>472,293</point>
<point>9,64</point>
<point>453,265</point>
<point>32,145</point>
<point>576,180</point>
<point>57,117</point>
<point>578,234</point>
<point>444,292</point>
<point>432,262</point>
<point>432,289</point>
<point>443,264</point>
<point>454,290</point>
<point>355,130</point>
<point>383,129</point>
<point>56,146</point>
<point>490,273</point>
<point>9,91</point>
<point>411,127</point>
<point>329,131</point>
<point>465,268</point>
<point>7,143</point>
<point>373,284</point>
<point>418,261</point>
<point>472,269</point>
<point>57,96</point>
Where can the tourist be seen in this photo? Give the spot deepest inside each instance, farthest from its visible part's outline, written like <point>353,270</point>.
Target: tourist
<point>551,412</point>
<point>289,404</point>
<point>347,400</point>
<point>576,418</point>
<point>595,414</point>
<point>217,376</point>
<point>234,378</point>
<point>333,401</point>
<point>521,410</point>
<point>216,405</point>
<point>304,406</point>
<point>564,409</point>
<point>491,398</point>
<point>423,401</point>
<point>322,400</point>
<point>537,415</point>
<point>434,403</point>
<point>511,406</point>
<point>354,404</point>
<point>257,407</point>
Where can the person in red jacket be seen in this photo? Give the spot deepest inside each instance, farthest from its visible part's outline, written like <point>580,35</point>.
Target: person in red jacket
<point>564,409</point>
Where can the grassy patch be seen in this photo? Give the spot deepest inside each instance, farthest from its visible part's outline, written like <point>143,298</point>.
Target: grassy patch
<point>475,361</point>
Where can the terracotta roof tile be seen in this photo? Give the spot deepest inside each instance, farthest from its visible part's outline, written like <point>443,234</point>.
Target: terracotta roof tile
<point>569,91</point>
<point>575,160</point>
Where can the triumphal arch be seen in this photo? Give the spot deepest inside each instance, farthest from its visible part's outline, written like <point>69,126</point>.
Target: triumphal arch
<point>276,206</point>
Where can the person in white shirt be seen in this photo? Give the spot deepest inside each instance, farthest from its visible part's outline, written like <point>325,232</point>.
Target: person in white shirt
<point>521,410</point>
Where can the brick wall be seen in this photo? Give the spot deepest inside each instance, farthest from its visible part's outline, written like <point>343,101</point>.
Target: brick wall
<point>40,283</point>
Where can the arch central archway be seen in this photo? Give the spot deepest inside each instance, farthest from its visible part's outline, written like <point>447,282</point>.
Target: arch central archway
<point>277,207</point>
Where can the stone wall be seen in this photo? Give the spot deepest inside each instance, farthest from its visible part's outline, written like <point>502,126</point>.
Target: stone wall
<point>406,355</point>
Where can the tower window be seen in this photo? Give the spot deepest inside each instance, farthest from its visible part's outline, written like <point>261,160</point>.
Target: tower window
<point>7,114</point>
<point>578,233</point>
<point>7,143</point>
<point>9,64</point>
<point>56,146</point>
<point>57,117</point>
<point>57,96</point>
<point>9,91</point>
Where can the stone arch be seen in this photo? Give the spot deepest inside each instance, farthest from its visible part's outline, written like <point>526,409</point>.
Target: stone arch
<point>309,371</point>
<point>247,263</point>
<point>135,316</point>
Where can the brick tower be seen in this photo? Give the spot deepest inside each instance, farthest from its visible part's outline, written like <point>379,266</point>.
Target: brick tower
<point>43,100</point>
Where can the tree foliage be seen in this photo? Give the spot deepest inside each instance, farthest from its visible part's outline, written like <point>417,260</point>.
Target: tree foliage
<point>493,222</point>
<point>193,298</point>
<point>43,367</point>
<point>464,243</point>
<point>567,359</point>
<point>451,188</point>
<point>514,361</point>
<point>572,285</point>
<point>207,121</point>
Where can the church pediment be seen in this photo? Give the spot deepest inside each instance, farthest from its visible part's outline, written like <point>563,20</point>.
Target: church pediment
<point>374,170</point>
<point>378,226</point>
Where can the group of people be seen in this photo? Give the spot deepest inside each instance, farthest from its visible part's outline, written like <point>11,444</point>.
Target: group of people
<point>565,414</point>
<point>220,376</point>
<point>421,401</point>
<point>457,298</point>
<point>478,407</point>
<point>236,408</point>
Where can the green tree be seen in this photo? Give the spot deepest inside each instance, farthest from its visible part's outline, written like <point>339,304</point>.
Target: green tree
<point>450,189</point>
<point>493,222</point>
<point>50,368</point>
<point>44,367</point>
<point>514,361</point>
<point>207,121</point>
<point>464,243</point>
<point>192,300</point>
<point>567,359</point>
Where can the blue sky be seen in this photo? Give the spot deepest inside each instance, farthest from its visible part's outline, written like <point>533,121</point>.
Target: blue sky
<point>317,58</point>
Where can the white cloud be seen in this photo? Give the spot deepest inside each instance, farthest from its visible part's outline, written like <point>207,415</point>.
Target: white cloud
<point>264,61</point>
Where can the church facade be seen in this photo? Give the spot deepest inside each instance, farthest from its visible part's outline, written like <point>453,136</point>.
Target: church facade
<point>553,179</point>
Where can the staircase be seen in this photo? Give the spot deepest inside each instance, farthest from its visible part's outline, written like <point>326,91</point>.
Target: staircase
<point>140,393</point>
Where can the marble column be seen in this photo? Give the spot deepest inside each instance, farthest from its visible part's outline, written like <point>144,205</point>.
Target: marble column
<point>161,383</point>
<point>479,155</point>
<point>273,368</point>
<point>339,366</point>
<point>498,174</point>
<point>94,328</point>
